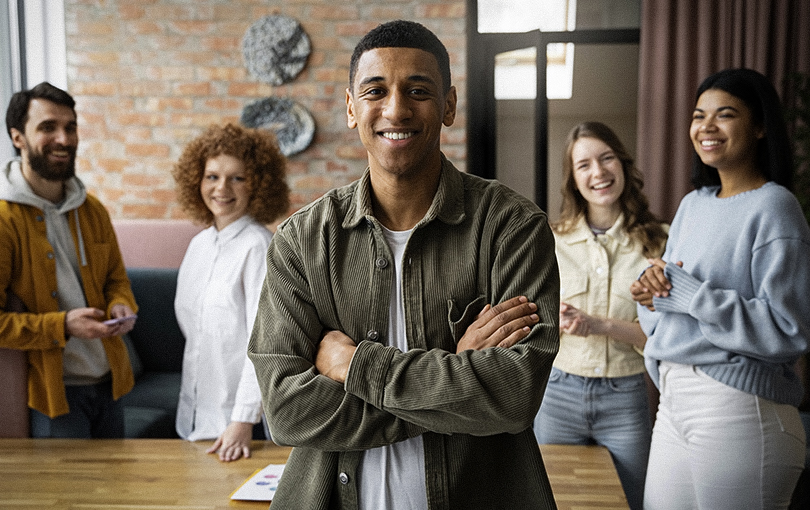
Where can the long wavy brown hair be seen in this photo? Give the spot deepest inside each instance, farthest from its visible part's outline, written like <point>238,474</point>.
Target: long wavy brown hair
<point>639,222</point>
<point>265,167</point>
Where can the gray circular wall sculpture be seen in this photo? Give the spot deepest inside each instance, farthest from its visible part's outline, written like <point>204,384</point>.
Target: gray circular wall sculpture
<point>292,123</point>
<point>275,49</point>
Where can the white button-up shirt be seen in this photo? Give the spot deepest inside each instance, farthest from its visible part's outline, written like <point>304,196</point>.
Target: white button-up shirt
<point>217,298</point>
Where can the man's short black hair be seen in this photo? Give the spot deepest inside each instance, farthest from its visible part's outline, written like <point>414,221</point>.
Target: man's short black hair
<point>17,112</point>
<point>403,34</point>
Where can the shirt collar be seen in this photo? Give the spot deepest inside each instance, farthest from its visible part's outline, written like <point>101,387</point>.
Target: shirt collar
<point>231,230</point>
<point>447,205</point>
<point>582,232</point>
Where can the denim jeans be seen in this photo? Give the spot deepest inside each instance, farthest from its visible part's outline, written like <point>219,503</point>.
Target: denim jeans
<point>716,447</point>
<point>93,414</point>
<point>612,412</point>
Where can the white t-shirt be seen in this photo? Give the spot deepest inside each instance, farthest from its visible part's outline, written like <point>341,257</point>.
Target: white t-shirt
<point>393,477</point>
<point>218,288</point>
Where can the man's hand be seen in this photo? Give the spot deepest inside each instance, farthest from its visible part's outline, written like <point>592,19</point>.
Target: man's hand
<point>85,323</point>
<point>502,325</point>
<point>234,443</point>
<point>121,310</point>
<point>334,354</point>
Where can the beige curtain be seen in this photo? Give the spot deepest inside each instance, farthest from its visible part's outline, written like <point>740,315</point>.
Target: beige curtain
<point>684,41</point>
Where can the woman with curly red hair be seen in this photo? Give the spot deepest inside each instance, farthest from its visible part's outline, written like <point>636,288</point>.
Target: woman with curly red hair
<point>233,179</point>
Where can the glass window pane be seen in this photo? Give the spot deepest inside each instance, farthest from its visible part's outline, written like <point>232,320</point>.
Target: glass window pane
<point>516,72</point>
<point>517,16</point>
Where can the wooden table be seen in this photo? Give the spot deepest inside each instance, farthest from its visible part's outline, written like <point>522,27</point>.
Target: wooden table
<point>158,474</point>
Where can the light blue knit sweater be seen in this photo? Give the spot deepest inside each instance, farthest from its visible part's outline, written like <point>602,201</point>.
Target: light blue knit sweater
<point>739,308</point>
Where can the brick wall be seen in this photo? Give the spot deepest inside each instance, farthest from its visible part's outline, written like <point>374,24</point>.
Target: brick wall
<point>150,75</point>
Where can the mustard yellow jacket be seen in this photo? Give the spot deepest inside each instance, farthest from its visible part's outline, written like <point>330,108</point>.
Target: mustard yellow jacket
<point>28,271</point>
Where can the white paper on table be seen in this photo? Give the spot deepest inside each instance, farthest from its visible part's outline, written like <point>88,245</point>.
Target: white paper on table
<point>261,486</point>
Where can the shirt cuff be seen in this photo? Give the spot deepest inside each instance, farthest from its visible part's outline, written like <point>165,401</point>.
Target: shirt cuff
<point>246,413</point>
<point>367,372</point>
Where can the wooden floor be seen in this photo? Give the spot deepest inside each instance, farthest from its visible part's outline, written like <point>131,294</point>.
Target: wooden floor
<point>145,474</point>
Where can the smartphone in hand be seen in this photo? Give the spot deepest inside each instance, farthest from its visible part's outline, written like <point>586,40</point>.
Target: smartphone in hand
<point>119,320</point>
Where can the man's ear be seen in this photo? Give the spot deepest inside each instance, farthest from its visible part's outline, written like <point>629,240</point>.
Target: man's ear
<point>450,101</point>
<point>350,119</point>
<point>17,138</point>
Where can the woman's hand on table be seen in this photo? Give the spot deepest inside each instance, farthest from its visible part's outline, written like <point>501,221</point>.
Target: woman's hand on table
<point>234,443</point>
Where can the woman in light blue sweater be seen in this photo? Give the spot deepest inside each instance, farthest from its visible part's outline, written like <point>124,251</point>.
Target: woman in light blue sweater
<point>726,312</point>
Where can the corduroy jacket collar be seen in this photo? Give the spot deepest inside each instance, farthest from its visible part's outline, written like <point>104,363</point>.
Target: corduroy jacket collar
<point>447,205</point>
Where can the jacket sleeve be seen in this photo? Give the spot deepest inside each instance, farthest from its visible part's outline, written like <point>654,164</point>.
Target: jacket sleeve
<point>29,331</point>
<point>773,320</point>
<point>303,408</point>
<point>114,279</point>
<point>486,392</point>
<point>20,328</point>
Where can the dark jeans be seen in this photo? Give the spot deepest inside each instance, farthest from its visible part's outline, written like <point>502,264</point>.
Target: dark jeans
<point>93,414</point>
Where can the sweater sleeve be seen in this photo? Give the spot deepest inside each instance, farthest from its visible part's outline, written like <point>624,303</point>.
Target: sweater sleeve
<point>772,324</point>
<point>485,392</point>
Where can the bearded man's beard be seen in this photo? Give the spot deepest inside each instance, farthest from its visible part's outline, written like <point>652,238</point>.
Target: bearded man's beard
<point>50,171</point>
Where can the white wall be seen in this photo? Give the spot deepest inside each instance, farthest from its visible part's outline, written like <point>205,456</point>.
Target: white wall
<point>46,54</point>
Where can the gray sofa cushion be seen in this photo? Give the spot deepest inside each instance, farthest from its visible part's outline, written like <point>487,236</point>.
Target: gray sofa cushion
<point>156,336</point>
<point>156,351</point>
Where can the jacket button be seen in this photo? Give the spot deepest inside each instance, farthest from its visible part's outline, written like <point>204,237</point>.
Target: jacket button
<point>39,217</point>
<point>53,293</point>
<point>55,342</point>
<point>381,263</point>
<point>50,255</point>
<point>372,335</point>
<point>344,478</point>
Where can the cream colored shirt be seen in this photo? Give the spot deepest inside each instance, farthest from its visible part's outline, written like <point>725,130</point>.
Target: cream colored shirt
<point>595,277</point>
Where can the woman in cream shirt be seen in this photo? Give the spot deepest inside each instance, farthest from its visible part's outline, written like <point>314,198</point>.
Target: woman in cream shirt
<point>597,392</point>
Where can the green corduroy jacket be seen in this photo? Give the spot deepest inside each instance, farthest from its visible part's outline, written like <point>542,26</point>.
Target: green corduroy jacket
<point>329,267</point>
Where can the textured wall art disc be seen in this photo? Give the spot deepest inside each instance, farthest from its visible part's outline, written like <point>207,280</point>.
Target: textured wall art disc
<point>292,123</point>
<point>275,49</point>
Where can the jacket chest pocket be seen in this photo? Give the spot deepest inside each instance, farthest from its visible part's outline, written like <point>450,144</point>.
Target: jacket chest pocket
<point>574,290</point>
<point>459,319</point>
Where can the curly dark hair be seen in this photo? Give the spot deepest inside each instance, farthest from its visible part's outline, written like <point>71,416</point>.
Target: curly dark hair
<point>265,166</point>
<point>639,222</point>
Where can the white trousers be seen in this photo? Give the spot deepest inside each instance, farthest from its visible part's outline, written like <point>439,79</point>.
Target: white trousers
<point>715,447</point>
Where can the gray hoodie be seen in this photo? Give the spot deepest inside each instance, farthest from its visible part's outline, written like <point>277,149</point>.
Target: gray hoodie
<point>85,361</point>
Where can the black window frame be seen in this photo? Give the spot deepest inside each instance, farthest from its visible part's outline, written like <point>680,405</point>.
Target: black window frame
<point>481,102</point>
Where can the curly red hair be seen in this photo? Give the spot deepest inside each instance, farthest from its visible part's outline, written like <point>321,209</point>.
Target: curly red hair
<point>265,166</point>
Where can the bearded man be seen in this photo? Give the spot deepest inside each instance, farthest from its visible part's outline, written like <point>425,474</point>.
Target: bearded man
<point>62,277</point>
